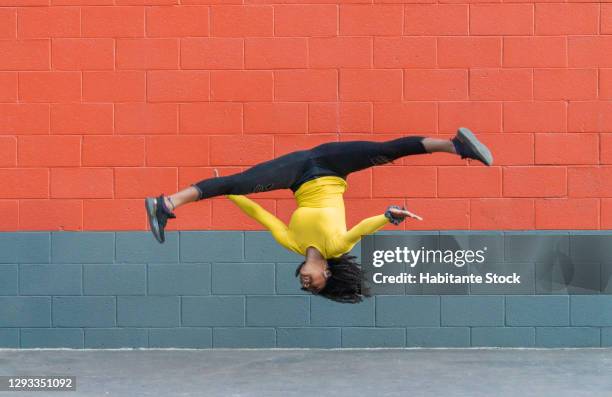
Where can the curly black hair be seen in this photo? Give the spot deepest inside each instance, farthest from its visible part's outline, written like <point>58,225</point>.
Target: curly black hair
<point>347,281</point>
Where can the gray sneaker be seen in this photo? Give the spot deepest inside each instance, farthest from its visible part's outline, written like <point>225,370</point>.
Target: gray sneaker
<point>468,146</point>
<point>158,216</point>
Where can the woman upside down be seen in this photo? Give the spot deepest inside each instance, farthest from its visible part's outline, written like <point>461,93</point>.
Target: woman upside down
<point>317,229</point>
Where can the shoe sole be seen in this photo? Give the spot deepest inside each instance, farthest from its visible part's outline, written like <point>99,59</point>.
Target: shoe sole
<point>468,137</point>
<point>150,206</point>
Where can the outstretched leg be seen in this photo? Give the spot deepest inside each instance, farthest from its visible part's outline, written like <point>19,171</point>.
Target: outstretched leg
<point>279,173</point>
<point>347,157</point>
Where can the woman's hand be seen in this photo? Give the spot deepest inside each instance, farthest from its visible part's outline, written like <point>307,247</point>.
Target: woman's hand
<point>400,213</point>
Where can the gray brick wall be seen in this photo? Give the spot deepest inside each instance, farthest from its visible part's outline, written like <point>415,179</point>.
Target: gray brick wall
<point>237,289</point>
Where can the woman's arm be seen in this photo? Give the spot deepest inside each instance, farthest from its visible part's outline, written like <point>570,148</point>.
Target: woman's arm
<point>394,214</point>
<point>277,227</point>
<point>367,226</point>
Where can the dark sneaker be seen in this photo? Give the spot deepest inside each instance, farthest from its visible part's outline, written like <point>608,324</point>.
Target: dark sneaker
<point>158,216</point>
<point>468,146</point>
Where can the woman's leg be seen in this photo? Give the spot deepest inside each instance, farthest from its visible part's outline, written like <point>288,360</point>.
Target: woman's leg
<point>433,145</point>
<point>278,173</point>
<point>187,195</point>
<point>347,157</point>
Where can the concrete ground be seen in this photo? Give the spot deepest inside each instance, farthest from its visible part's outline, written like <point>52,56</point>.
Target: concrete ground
<point>386,372</point>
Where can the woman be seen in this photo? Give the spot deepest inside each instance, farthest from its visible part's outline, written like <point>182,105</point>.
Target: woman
<point>317,229</point>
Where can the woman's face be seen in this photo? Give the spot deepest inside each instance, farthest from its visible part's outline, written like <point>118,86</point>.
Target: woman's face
<point>314,275</point>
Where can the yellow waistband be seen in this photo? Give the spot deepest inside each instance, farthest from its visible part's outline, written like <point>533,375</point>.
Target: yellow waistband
<point>320,181</point>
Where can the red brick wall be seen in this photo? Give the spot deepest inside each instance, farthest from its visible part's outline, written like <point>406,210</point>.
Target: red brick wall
<point>103,102</point>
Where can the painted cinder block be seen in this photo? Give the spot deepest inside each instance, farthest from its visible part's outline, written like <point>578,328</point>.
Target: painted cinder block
<point>438,337</point>
<point>58,21</point>
<point>115,338</point>
<point>141,247</point>
<point>261,247</point>
<point>109,150</point>
<point>139,182</point>
<point>242,278</point>
<point>307,85</point>
<point>324,312</point>
<point>188,20</point>
<point>590,247</point>
<point>277,310</point>
<point>267,118</point>
<point>84,311</point>
<point>375,20</point>
<point>9,281</point>
<point>148,311</point>
<point>9,338</point>
<point>192,338</point>
<point>563,276</point>
<point>238,150</point>
<point>173,86</point>
<point>606,278</point>
<point>559,149</point>
<point>114,86</point>
<point>591,310</point>
<point>373,337</point>
<point>244,337</point>
<point>606,337</point>
<point>51,338</point>
<point>124,279</point>
<point>436,19</point>
<point>53,279</point>
<point>500,84</point>
<point>213,311</point>
<point>308,337</point>
<point>25,247</point>
<point>102,22</point>
<point>25,311</point>
<point>286,281</point>
<point>502,213</point>
<point>503,337</point>
<point>567,337</point>
<point>534,52</point>
<point>82,247</point>
<point>408,311</point>
<point>536,181</point>
<point>249,20</point>
<point>276,53</point>
<point>501,19</point>
<point>524,311</point>
<point>535,247</point>
<point>190,279</point>
<point>51,214</point>
<point>566,19</point>
<point>35,118</point>
<point>305,20</point>
<point>197,53</point>
<point>214,246</point>
<point>472,310</point>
